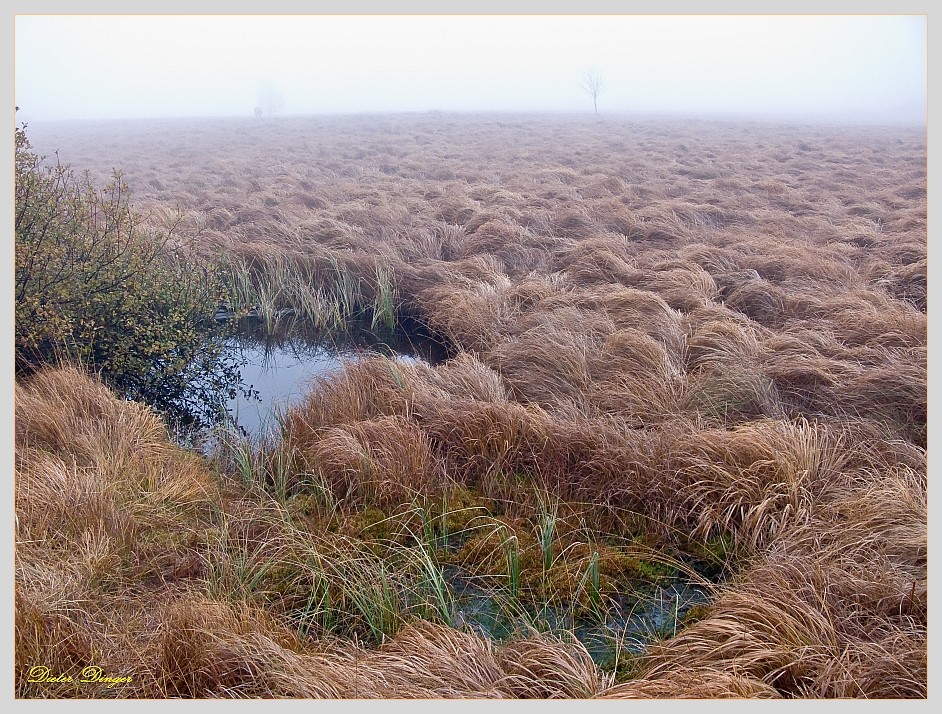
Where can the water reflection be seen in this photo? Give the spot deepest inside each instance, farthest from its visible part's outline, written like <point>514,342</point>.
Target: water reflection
<point>277,370</point>
<point>275,376</point>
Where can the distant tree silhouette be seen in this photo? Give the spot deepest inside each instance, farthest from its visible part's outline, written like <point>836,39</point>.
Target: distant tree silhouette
<point>270,99</point>
<point>591,84</point>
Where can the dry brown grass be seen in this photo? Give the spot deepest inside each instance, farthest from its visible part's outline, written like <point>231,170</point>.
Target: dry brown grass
<point>106,507</point>
<point>692,683</point>
<point>84,593</point>
<point>683,332</point>
<point>831,604</point>
<point>384,461</point>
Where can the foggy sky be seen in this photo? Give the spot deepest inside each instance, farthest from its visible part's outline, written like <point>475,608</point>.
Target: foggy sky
<point>860,68</point>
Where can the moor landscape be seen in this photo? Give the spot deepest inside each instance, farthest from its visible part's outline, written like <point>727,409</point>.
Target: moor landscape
<point>658,430</point>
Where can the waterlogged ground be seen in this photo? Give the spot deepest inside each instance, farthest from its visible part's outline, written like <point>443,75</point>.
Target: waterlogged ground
<point>277,370</point>
<point>663,331</point>
<point>277,373</point>
<point>625,624</point>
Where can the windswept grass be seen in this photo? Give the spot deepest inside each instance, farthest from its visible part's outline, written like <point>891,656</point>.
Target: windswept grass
<point>683,358</point>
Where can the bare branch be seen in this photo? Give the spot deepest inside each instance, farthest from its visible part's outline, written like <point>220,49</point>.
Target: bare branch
<point>592,84</point>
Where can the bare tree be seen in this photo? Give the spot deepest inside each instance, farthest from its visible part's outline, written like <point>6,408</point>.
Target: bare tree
<point>269,98</point>
<point>592,85</point>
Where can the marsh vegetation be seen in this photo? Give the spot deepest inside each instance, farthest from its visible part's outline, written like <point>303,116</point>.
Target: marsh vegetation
<point>674,444</point>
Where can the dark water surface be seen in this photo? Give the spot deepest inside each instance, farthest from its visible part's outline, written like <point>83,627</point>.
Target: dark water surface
<point>277,372</point>
<point>275,377</point>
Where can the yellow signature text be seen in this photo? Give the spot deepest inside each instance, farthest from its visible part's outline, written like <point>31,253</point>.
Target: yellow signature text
<point>89,675</point>
<point>43,675</point>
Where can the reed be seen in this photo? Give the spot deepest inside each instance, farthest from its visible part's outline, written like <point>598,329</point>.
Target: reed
<point>547,532</point>
<point>512,556</point>
<point>591,582</point>
<point>385,303</point>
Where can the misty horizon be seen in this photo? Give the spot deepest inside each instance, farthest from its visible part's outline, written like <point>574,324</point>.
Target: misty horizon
<point>859,69</point>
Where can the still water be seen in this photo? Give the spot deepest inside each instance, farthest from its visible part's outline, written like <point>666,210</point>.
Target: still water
<point>275,377</point>
<point>278,372</point>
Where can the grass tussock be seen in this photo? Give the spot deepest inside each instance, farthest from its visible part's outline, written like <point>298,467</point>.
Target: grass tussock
<point>701,683</point>
<point>378,461</point>
<point>825,599</point>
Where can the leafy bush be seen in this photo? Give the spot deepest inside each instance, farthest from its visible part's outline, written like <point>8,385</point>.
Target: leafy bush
<point>93,286</point>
